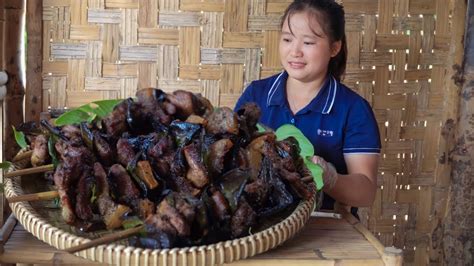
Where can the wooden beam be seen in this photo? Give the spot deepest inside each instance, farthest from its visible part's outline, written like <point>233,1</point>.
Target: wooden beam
<point>2,44</point>
<point>13,103</point>
<point>34,84</point>
<point>458,225</point>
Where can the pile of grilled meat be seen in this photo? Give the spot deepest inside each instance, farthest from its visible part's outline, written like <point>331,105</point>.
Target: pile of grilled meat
<point>192,173</point>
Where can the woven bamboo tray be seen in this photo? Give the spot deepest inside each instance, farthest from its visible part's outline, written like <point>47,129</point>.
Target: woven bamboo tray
<point>222,252</point>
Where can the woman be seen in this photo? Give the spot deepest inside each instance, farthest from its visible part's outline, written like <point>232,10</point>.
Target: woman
<point>308,94</point>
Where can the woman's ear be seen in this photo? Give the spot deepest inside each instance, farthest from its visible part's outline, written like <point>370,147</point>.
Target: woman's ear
<point>335,48</point>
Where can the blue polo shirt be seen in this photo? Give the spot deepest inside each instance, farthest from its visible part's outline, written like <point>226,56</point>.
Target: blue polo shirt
<point>337,121</point>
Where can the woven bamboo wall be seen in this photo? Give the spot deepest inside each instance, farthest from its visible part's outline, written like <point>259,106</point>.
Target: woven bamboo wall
<point>400,58</point>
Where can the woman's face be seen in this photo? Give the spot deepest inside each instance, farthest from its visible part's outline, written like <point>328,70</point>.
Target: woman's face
<point>306,50</point>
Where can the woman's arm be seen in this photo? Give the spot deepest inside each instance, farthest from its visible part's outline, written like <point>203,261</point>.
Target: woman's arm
<point>357,188</point>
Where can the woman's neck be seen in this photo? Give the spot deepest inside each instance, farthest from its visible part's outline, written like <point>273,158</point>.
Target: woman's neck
<point>300,94</point>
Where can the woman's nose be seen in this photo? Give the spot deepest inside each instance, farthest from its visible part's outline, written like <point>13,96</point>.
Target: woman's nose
<point>296,50</point>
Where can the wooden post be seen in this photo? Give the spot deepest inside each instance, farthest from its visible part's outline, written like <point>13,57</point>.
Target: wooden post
<point>3,90</point>
<point>34,83</point>
<point>2,44</point>
<point>12,59</point>
<point>458,233</point>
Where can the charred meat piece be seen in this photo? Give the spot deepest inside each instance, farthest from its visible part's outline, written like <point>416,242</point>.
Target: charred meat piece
<point>197,172</point>
<point>75,162</point>
<point>103,188</point>
<point>186,209</point>
<point>248,117</point>
<point>125,152</point>
<point>216,154</point>
<point>40,153</point>
<point>288,164</point>
<point>241,159</point>
<point>61,176</point>
<point>87,135</point>
<point>83,198</point>
<point>295,182</point>
<point>255,152</point>
<point>138,118</point>
<point>220,206</point>
<point>259,144</point>
<point>179,213</point>
<point>185,102</point>
<point>178,164</point>
<point>288,148</point>
<point>162,165</point>
<point>242,219</point>
<point>116,122</point>
<point>146,208</point>
<point>103,149</point>
<point>169,108</point>
<point>183,185</point>
<point>223,120</point>
<point>289,151</point>
<point>122,184</point>
<point>256,193</point>
<point>111,212</point>
<point>195,119</point>
<point>152,104</point>
<point>279,198</point>
<point>162,147</point>
<point>203,106</point>
<point>250,114</point>
<point>71,132</point>
<point>162,223</point>
<point>73,158</point>
<point>150,96</point>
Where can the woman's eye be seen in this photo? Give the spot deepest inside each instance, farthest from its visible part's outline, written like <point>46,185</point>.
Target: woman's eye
<point>308,43</point>
<point>286,40</point>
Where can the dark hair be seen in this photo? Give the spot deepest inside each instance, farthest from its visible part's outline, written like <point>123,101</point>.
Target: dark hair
<point>330,16</point>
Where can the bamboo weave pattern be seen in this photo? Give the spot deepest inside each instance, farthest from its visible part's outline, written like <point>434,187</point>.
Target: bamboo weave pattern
<point>399,54</point>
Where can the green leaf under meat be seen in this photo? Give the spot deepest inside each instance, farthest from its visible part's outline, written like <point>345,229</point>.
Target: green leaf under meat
<point>20,138</point>
<point>5,165</point>
<point>88,112</point>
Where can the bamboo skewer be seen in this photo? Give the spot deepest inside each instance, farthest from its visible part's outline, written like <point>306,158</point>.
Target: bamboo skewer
<point>29,171</point>
<point>106,239</point>
<point>34,196</point>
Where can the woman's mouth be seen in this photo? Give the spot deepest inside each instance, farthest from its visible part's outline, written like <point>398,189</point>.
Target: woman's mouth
<point>296,65</point>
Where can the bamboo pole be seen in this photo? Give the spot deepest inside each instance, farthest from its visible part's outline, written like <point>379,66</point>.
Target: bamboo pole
<point>458,226</point>
<point>29,171</point>
<point>106,239</point>
<point>12,60</point>
<point>12,104</point>
<point>6,231</point>
<point>390,255</point>
<point>34,86</point>
<point>48,195</point>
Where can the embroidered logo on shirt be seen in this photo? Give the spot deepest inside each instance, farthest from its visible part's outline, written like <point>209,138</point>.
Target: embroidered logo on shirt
<point>325,133</point>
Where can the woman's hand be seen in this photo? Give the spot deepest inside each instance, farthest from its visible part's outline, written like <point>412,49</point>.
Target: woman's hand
<point>329,172</point>
<point>358,187</point>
